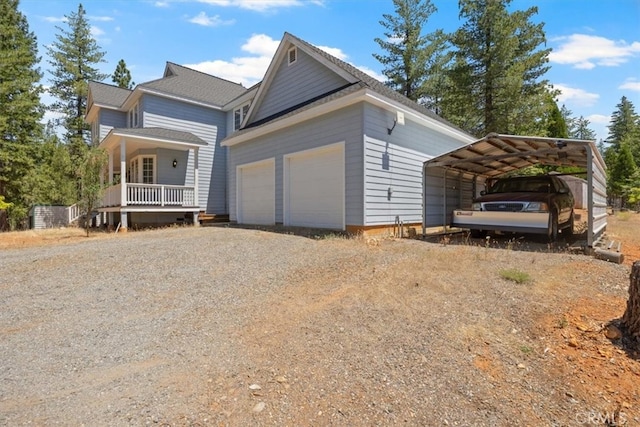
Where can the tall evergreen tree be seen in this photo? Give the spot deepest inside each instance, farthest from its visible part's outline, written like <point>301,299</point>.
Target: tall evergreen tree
<point>74,56</point>
<point>556,124</point>
<point>625,124</point>
<point>622,169</point>
<point>122,76</point>
<point>20,108</point>
<point>408,51</point>
<point>497,74</point>
<point>581,129</point>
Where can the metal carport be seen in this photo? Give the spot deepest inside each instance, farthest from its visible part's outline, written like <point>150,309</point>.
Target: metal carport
<point>452,180</point>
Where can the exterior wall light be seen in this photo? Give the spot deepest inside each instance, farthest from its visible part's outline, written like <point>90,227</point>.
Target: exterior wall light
<point>175,162</point>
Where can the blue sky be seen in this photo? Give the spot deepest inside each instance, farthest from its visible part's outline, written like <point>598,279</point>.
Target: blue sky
<point>595,58</point>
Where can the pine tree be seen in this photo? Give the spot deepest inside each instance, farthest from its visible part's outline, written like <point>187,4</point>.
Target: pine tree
<point>623,168</point>
<point>625,123</point>
<point>122,76</point>
<point>74,56</point>
<point>556,126</point>
<point>408,52</point>
<point>20,108</point>
<point>497,72</point>
<point>582,130</point>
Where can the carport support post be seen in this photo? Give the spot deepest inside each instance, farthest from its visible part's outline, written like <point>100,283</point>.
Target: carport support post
<point>590,210</point>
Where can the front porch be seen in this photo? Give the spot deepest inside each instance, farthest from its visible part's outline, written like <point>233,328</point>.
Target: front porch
<point>155,177</point>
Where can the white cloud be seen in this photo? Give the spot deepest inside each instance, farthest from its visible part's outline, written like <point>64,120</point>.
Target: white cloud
<point>261,44</point>
<point>578,97</point>
<point>586,52</point>
<point>260,5</point>
<point>101,18</point>
<point>55,19</point>
<point>250,69</point>
<point>161,4</point>
<point>337,52</point>
<point>210,21</point>
<point>599,118</point>
<point>630,84</point>
<point>247,70</point>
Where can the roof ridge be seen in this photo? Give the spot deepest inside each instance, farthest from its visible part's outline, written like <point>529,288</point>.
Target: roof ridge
<point>206,74</point>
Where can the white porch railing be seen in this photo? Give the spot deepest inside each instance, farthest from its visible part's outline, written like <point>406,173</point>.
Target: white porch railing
<point>150,195</point>
<point>73,213</point>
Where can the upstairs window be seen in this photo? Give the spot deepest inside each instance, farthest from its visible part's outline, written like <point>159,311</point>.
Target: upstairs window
<point>292,55</point>
<point>238,116</point>
<point>134,114</point>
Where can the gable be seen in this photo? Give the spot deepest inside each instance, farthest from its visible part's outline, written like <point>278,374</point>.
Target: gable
<point>293,84</point>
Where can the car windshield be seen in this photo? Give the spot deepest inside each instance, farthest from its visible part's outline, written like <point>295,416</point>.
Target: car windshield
<point>521,185</point>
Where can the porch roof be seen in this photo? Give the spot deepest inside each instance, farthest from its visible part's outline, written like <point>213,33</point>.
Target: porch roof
<point>156,136</point>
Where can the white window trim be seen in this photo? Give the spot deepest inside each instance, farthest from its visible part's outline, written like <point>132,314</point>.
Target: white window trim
<point>294,49</point>
<point>243,110</point>
<point>139,178</point>
<point>134,116</point>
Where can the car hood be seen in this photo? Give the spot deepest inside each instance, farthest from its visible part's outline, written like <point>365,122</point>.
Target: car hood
<point>514,197</point>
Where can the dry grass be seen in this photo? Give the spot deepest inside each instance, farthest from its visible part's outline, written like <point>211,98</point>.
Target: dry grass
<point>54,236</point>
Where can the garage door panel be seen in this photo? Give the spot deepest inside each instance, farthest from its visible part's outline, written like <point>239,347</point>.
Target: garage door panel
<point>315,193</point>
<point>256,198</point>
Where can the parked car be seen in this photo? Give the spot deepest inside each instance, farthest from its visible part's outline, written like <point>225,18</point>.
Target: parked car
<point>540,204</point>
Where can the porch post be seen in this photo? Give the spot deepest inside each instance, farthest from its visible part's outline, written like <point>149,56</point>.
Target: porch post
<point>195,186</point>
<point>109,184</point>
<point>123,183</point>
<point>110,168</point>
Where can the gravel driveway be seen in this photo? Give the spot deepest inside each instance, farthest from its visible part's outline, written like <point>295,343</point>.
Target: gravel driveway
<point>217,326</point>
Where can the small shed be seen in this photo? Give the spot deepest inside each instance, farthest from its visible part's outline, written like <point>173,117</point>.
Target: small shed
<point>452,180</point>
<point>48,216</point>
<point>578,187</point>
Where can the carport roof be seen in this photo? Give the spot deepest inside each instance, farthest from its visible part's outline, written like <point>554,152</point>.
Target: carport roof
<point>497,154</point>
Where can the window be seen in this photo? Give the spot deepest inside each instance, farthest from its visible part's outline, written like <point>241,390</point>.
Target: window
<point>142,170</point>
<point>147,170</point>
<point>133,116</point>
<point>239,115</point>
<point>292,54</point>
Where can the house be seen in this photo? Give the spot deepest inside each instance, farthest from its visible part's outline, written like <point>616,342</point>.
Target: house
<point>163,142</point>
<point>318,143</point>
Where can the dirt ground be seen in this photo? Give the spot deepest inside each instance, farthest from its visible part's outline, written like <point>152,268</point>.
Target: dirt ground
<point>325,328</point>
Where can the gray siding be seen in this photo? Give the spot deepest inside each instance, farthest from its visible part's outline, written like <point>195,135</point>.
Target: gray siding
<point>209,125</point>
<point>343,125</point>
<point>395,162</point>
<point>297,83</point>
<point>110,119</point>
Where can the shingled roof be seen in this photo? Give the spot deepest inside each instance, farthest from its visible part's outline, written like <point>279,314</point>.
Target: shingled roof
<point>161,133</point>
<point>361,80</point>
<point>108,95</point>
<point>195,85</point>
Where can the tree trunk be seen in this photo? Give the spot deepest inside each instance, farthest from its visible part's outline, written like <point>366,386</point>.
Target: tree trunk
<point>631,319</point>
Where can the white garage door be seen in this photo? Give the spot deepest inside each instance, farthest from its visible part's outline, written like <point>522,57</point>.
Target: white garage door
<point>314,188</point>
<point>256,193</point>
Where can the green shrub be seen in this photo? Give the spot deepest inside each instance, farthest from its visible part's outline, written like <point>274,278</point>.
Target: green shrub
<point>515,275</point>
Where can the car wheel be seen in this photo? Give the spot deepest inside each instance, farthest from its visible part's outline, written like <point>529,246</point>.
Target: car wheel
<point>552,232</point>
<point>568,230</point>
<point>478,234</point>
